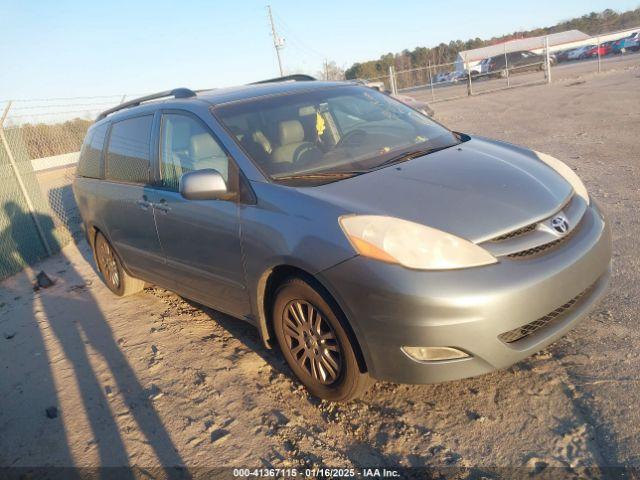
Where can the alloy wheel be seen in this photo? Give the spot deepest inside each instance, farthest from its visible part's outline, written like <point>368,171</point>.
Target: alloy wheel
<point>108,265</point>
<point>312,342</point>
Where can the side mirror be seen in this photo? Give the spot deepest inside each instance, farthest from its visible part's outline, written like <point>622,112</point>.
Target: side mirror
<point>205,184</point>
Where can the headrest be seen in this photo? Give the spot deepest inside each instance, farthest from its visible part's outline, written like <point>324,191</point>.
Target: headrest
<point>291,131</point>
<point>203,146</point>
<point>180,133</point>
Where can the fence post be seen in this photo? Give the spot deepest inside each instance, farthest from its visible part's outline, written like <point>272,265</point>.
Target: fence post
<point>547,60</point>
<point>469,88</point>
<point>506,65</point>
<point>433,97</point>
<point>23,188</point>
<point>598,50</point>
<point>392,80</point>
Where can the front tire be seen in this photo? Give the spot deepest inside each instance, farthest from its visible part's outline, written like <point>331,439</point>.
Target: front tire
<point>315,343</point>
<point>110,267</point>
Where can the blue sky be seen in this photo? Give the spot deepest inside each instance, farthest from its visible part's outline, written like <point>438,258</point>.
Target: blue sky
<point>68,48</point>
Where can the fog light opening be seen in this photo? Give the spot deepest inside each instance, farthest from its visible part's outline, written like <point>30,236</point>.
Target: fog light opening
<point>434,354</point>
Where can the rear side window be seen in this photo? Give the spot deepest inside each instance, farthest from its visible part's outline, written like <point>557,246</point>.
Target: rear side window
<point>129,150</point>
<point>90,163</point>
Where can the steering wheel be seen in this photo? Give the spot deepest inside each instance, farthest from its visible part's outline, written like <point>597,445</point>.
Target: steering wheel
<point>352,138</point>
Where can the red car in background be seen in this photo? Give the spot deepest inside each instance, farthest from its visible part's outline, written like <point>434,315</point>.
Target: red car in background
<point>605,49</point>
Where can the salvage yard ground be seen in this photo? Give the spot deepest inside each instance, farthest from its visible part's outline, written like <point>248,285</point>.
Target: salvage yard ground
<point>153,379</point>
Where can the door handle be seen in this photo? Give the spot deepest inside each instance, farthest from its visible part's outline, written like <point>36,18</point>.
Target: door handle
<point>163,206</point>
<point>143,203</point>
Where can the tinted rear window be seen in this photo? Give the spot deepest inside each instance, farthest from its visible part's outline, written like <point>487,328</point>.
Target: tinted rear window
<point>90,163</point>
<point>129,150</point>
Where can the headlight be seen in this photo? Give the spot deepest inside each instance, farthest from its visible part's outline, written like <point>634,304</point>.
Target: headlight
<point>566,172</point>
<point>411,245</point>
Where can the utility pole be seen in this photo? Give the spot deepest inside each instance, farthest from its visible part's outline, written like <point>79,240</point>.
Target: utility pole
<point>278,42</point>
<point>326,69</point>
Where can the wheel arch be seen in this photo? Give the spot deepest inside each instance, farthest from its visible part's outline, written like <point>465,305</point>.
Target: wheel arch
<point>267,286</point>
<point>92,231</point>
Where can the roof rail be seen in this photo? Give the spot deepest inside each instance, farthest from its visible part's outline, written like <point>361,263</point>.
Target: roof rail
<point>176,93</point>
<point>296,77</point>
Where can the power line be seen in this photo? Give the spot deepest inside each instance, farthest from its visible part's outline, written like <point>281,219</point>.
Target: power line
<point>293,36</point>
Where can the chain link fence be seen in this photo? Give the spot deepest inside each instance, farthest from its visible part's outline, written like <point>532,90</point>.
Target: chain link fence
<point>39,146</point>
<point>509,65</point>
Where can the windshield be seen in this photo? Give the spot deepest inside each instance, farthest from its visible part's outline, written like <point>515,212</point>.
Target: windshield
<point>338,131</point>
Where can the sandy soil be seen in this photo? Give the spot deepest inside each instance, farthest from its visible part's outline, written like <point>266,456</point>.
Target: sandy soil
<point>154,380</point>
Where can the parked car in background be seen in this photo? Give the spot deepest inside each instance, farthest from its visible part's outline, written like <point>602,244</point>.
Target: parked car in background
<point>441,77</point>
<point>416,104</point>
<point>562,55</point>
<point>457,75</point>
<point>364,239</point>
<point>618,47</point>
<point>420,105</point>
<point>371,84</point>
<point>602,49</point>
<point>514,62</point>
<point>630,43</point>
<point>580,52</point>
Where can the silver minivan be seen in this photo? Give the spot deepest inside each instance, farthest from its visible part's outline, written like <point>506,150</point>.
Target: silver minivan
<point>361,237</point>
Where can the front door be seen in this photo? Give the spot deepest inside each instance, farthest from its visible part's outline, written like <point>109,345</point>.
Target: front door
<point>200,238</point>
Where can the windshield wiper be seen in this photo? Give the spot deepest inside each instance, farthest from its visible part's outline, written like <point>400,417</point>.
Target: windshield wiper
<point>336,174</point>
<point>409,155</point>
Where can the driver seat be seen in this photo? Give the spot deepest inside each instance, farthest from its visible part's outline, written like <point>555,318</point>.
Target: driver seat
<point>292,143</point>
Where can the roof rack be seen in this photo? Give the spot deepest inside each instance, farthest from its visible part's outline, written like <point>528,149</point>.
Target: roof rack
<point>176,93</point>
<point>296,77</point>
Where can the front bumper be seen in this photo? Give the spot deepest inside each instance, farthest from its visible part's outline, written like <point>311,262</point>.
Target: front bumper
<point>389,306</point>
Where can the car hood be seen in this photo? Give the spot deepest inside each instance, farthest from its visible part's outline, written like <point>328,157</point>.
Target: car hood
<point>476,190</point>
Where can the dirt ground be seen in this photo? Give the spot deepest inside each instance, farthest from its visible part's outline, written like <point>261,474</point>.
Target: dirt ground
<point>154,380</point>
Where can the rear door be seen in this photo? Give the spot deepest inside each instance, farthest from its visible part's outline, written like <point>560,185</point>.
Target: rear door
<point>128,202</point>
<point>200,238</point>
<point>514,59</point>
<point>497,63</point>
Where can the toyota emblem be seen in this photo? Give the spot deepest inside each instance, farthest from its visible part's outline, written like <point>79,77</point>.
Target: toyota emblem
<point>560,224</point>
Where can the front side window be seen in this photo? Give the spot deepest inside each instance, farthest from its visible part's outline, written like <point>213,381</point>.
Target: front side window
<point>328,131</point>
<point>129,150</point>
<point>186,145</point>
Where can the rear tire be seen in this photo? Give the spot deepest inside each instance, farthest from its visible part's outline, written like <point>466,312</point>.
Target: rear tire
<point>315,343</point>
<point>113,274</point>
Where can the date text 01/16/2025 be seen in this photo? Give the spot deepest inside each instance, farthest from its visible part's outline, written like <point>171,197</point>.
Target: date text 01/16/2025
<point>315,473</point>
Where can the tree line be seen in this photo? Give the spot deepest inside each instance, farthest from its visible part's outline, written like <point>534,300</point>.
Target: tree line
<point>592,24</point>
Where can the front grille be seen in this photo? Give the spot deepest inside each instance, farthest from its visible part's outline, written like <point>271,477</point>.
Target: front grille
<point>532,327</point>
<point>542,248</point>
<point>515,233</point>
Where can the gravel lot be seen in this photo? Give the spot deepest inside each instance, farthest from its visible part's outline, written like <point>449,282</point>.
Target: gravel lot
<point>485,83</point>
<point>153,380</point>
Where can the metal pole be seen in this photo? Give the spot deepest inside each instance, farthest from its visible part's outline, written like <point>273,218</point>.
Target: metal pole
<point>392,80</point>
<point>506,65</point>
<point>598,50</point>
<point>469,88</point>
<point>276,41</point>
<point>326,69</point>
<point>21,184</point>
<point>547,61</point>
<point>431,81</point>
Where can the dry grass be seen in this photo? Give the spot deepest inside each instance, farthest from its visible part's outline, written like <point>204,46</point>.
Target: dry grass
<point>45,140</point>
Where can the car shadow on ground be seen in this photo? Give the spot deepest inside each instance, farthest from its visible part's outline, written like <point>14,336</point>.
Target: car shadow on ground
<point>250,338</point>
